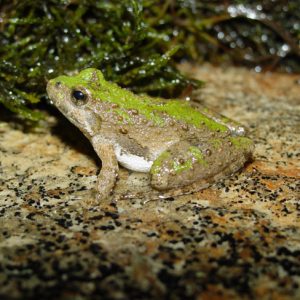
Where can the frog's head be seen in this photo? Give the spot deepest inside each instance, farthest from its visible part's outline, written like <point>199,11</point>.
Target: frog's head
<point>74,97</point>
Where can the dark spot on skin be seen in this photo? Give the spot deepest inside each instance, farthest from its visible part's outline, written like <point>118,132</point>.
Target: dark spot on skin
<point>207,152</point>
<point>123,130</point>
<point>181,161</point>
<point>57,84</point>
<point>185,127</point>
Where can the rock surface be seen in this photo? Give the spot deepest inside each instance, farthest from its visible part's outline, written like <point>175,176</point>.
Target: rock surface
<point>239,239</point>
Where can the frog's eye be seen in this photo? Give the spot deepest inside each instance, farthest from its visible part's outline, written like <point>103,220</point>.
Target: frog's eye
<point>79,98</point>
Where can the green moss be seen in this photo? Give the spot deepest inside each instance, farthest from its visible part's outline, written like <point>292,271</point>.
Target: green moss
<point>136,43</point>
<point>40,42</point>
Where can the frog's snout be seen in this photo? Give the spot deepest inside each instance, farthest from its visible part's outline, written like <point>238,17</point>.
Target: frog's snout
<point>53,84</point>
<point>53,87</point>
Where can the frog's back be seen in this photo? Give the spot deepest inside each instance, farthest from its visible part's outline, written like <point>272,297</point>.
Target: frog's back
<point>145,110</point>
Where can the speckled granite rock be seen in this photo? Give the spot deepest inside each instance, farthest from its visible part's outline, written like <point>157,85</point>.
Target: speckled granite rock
<point>239,239</point>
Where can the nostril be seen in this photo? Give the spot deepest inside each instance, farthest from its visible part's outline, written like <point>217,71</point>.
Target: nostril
<point>57,84</point>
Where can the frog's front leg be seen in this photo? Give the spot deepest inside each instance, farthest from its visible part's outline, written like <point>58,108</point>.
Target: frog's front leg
<point>109,171</point>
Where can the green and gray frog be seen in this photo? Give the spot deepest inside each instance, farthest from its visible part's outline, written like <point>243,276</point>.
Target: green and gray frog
<point>180,145</point>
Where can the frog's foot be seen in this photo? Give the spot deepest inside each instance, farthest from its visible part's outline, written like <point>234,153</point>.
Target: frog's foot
<point>102,196</point>
<point>186,166</point>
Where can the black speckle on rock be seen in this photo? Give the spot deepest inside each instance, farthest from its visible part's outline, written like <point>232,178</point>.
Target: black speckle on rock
<point>107,227</point>
<point>96,248</point>
<point>292,268</point>
<point>30,216</point>
<point>98,217</point>
<point>113,215</point>
<point>64,223</point>
<point>61,238</point>
<point>111,269</point>
<point>170,280</point>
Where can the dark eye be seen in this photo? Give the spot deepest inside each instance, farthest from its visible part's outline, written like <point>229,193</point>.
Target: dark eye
<point>79,97</point>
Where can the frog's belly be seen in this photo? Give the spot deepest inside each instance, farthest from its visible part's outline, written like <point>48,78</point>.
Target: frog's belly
<point>131,161</point>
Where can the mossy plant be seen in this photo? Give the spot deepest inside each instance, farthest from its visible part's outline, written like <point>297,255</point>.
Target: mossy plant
<point>136,43</point>
<point>42,39</point>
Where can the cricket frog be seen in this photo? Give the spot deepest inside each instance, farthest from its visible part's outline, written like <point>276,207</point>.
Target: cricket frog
<point>183,147</point>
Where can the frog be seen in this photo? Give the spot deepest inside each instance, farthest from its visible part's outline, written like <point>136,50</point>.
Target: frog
<point>181,146</point>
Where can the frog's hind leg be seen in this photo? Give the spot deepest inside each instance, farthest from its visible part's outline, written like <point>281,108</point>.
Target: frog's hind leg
<point>202,183</point>
<point>188,166</point>
<point>164,182</point>
<point>196,186</point>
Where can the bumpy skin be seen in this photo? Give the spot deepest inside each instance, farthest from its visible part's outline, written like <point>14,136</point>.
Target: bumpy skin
<point>179,144</point>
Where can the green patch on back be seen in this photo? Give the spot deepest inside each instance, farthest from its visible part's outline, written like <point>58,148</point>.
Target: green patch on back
<point>157,164</point>
<point>225,120</point>
<point>196,156</point>
<point>182,111</point>
<point>241,142</point>
<point>217,143</point>
<point>152,109</point>
<point>179,167</point>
